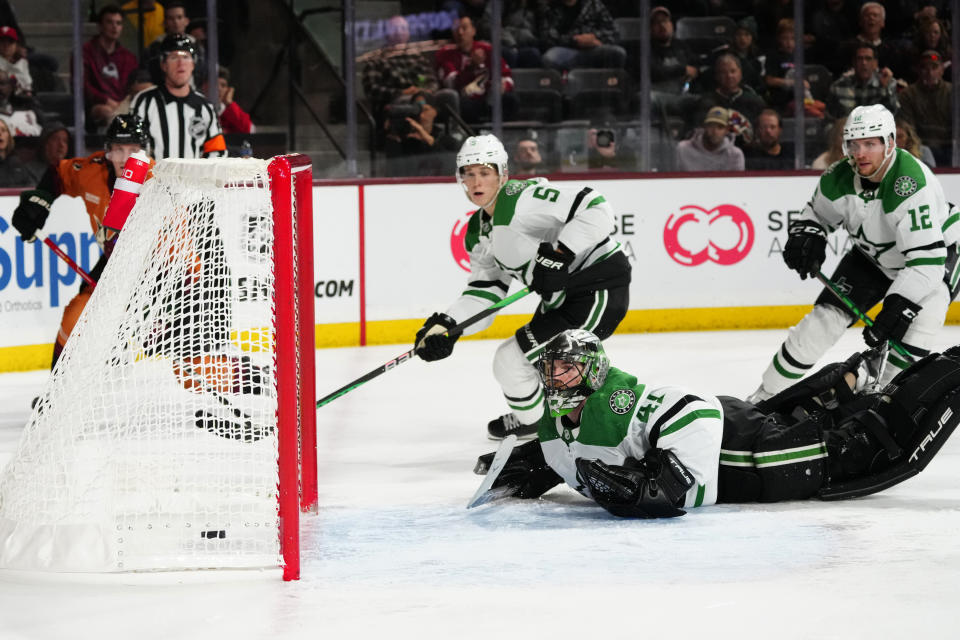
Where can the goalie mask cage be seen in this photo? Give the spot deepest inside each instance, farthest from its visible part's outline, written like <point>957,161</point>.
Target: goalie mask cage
<point>175,430</point>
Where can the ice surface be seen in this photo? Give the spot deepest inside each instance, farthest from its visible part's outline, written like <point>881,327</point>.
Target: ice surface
<point>394,553</point>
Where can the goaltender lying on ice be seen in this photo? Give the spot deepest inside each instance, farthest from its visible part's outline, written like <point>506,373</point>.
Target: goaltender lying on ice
<point>647,451</point>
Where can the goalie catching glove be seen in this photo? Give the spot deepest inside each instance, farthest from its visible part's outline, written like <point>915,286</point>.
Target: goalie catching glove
<point>550,271</point>
<point>806,248</point>
<point>433,341</point>
<point>892,322</point>
<point>526,470</point>
<point>654,487</point>
<point>31,214</point>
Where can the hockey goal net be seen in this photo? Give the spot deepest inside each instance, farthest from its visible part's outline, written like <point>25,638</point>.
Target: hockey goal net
<point>176,431</point>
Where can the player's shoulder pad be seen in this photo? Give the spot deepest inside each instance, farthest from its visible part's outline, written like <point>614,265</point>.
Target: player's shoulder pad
<point>837,180</point>
<point>472,236</point>
<point>606,415</point>
<point>905,178</point>
<point>507,200</point>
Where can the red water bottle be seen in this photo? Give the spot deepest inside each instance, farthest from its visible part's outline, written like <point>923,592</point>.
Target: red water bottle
<point>126,189</point>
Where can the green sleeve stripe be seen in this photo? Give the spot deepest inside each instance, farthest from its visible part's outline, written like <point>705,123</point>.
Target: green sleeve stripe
<point>596,201</point>
<point>532,405</point>
<point>687,419</point>
<point>950,221</point>
<point>916,262</point>
<point>784,372</point>
<point>486,295</point>
<point>700,491</point>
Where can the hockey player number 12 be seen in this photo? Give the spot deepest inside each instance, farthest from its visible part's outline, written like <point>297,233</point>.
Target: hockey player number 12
<point>924,212</point>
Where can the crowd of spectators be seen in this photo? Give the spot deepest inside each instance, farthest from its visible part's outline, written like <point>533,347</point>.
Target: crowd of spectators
<point>113,77</point>
<point>854,53</point>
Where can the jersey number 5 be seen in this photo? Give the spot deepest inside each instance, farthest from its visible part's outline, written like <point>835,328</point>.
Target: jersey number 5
<point>546,193</point>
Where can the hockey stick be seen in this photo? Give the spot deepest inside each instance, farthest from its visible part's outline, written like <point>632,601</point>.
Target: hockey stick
<point>63,256</point>
<point>350,386</point>
<point>484,493</point>
<point>835,290</point>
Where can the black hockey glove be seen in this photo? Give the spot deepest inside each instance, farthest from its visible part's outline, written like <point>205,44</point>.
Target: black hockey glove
<point>31,214</point>
<point>550,272</point>
<point>654,487</point>
<point>432,342</point>
<point>806,248</point>
<point>526,469</point>
<point>892,322</point>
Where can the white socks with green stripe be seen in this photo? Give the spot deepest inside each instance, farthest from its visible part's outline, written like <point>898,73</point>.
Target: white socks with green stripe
<point>519,381</point>
<point>805,345</point>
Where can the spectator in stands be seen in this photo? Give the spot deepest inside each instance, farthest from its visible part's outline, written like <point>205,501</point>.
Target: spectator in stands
<point>13,62</point>
<point>673,65</point>
<point>54,147</point>
<point>153,16</point>
<point>579,33</point>
<point>767,151</point>
<point>139,81</point>
<point>864,84</point>
<point>399,68</point>
<point>464,66</point>
<point>418,146</point>
<point>834,150</point>
<point>20,113</point>
<point>233,119</point>
<point>744,46</point>
<point>12,171</point>
<point>604,151</point>
<point>831,24</point>
<point>527,159</point>
<point>872,21</point>
<point>930,36</point>
<point>520,46</point>
<point>908,139</point>
<point>779,64</point>
<point>107,67</point>
<point>175,22</point>
<point>730,92</point>
<point>711,147</point>
<point>926,105</point>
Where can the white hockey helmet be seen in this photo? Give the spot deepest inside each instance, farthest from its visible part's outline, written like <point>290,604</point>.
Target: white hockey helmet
<point>871,121</point>
<point>485,149</point>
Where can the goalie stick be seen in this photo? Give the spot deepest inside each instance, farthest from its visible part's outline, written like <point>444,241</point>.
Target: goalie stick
<point>404,357</point>
<point>835,290</point>
<point>484,493</point>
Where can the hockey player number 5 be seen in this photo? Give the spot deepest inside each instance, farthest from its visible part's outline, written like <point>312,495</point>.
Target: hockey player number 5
<point>546,193</point>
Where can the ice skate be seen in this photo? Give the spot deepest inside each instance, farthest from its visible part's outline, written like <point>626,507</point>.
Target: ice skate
<point>509,424</point>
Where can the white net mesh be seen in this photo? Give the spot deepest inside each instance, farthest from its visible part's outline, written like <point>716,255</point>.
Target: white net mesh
<point>154,444</point>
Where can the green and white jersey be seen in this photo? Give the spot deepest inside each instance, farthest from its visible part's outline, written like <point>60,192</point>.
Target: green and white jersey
<point>904,226</point>
<point>504,246</point>
<point>625,419</point>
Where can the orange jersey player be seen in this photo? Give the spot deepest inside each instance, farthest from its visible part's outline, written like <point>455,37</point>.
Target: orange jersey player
<point>92,179</point>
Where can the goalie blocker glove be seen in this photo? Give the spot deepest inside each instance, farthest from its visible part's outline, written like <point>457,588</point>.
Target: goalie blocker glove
<point>433,341</point>
<point>654,487</point>
<point>892,322</point>
<point>526,470</point>
<point>806,248</point>
<point>31,214</point>
<point>550,272</point>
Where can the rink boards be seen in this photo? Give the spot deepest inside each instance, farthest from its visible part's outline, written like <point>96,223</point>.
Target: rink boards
<point>705,252</point>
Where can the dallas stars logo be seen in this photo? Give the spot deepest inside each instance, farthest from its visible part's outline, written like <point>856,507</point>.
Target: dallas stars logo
<point>904,186</point>
<point>872,249</point>
<point>514,187</point>
<point>621,401</point>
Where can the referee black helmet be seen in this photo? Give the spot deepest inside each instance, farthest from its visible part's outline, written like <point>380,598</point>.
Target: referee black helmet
<point>177,42</point>
<point>126,128</point>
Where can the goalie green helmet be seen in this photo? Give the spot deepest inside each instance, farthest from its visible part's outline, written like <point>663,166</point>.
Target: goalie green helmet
<point>572,366</point>
<point>870,121</point>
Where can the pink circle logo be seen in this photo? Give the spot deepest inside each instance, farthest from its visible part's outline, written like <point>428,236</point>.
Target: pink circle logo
<point>723,235</point>
<point>457,237</point>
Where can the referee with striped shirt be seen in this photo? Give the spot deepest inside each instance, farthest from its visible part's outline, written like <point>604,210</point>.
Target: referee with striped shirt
<point>180,122</point>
